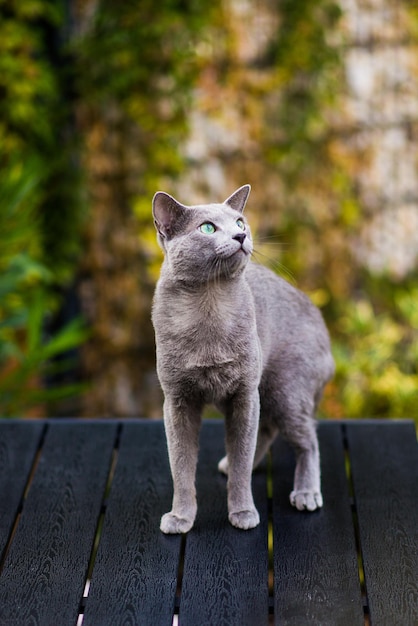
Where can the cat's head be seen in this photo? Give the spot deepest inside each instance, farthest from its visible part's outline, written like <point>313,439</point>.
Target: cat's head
<point>203,242</point>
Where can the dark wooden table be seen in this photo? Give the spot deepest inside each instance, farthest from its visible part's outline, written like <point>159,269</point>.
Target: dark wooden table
<point>80,504</point>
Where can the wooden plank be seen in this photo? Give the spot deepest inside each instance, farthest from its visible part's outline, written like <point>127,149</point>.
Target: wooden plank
<point>316,577</point>
<point>225,580</point>
<point>44,573</point>
<point>18,445</point>
<point>384,466</point>
<point>135,574</point>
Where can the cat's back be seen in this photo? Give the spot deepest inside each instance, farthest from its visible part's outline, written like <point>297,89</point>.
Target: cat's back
<point>289,325</point>
<point>277,300</point>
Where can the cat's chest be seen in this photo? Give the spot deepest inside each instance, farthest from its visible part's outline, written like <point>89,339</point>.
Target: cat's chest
<point>213,369</point>
<point>208,316</point>
<point>205,333</point>
<point>204,341</point>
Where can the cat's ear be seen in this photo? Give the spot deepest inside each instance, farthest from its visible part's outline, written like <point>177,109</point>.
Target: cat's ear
<point>239,198</point>
<point>169,215</point>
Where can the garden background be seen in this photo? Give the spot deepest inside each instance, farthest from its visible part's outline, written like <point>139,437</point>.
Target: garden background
<point>312,102</point>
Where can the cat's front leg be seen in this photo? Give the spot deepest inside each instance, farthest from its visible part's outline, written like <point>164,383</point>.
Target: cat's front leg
<point>241,435</point>
<point>182,424</point>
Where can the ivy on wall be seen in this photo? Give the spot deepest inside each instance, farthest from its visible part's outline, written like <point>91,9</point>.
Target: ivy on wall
<point>97,103</point>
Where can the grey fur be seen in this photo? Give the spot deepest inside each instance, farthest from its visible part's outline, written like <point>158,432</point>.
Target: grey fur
<point>232,333</point>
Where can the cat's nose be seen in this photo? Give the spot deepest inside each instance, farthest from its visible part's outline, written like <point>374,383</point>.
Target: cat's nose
<point>240,237</point>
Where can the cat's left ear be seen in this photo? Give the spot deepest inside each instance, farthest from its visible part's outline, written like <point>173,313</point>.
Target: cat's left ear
<point>239,198</point>
<point>169,215</point>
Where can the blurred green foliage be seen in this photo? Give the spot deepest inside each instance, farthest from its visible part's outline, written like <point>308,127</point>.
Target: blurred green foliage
<point>26,355</point>
<point>376,357</point>
<point>308,73</point>
<point>40,208</point>
<point>139,62</point>
<point>36,123</point>
<point>373,319</point>
<point>27,80</point>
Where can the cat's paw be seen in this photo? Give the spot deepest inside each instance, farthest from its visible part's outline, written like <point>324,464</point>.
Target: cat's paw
<point>306,500</point>
<point>223,466</point>
<point>173,525</point>
<point>245,519</point>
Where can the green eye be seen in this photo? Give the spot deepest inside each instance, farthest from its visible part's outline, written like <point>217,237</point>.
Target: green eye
<point>240,224</point>
<point>207,228</point>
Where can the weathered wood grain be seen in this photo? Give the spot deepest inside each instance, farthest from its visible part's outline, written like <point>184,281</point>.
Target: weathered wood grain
<point>44,573</point>
<point>225,579</point>
<point>18,444</point>
<point>384,466</point>
<point>135,574</point>
<point>316,577</point>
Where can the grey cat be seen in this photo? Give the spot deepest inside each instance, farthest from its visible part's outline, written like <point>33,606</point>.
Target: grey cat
<point>232,333</point>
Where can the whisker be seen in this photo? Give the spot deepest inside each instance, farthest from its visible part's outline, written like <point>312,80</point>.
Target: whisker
<point>216,272</point>
<point>271,240</point>
<point>260,257</point>
<point>213,270</point>
<point>223,267</point>
<point>273,245</point>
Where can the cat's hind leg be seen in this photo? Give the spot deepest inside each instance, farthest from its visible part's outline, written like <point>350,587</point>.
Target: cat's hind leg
<point>306,494</point>
<point>223,465</point>
<point>267,433</point>
<point>298,427</point>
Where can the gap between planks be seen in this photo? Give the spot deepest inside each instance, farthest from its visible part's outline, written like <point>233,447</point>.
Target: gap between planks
<point>356,528</point>
<point>270,616</point>
<point>26,490</point>
<point>177,600</point>
<point>99,526</point>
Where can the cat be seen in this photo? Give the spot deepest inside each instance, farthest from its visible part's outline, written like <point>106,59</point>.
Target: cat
<point>232,333</point>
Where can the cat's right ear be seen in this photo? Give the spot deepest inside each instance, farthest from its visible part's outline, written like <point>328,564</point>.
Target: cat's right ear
<point>239,198</point>
<point>168,216</point>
